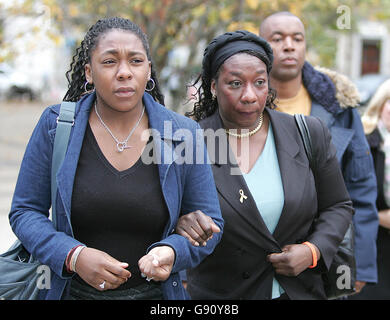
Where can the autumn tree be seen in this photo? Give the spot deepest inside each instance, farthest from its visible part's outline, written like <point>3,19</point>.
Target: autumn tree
<point>168,23</point>
<point>191,24</point>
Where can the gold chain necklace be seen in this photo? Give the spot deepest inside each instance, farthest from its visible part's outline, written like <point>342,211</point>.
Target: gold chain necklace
<point>248,134</point>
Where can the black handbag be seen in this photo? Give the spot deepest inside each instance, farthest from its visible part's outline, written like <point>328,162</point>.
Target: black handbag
<point>339,281</point>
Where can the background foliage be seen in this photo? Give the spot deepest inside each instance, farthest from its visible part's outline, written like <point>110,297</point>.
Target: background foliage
<point>191,24</point>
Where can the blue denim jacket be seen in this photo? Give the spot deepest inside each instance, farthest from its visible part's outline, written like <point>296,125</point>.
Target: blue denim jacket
<point>353,153</point>
<point>186,187</point>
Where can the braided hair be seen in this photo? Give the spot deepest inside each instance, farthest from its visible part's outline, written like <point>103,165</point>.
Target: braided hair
<point>76,74</point>
<point>206,105</point>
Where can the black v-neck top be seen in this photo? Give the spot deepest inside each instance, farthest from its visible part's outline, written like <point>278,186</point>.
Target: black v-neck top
<point>119,212</point>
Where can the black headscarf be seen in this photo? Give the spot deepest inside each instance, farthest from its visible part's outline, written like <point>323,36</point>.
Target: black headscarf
<point>231,43</point>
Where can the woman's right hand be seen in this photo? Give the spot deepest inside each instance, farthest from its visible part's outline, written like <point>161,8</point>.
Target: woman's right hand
<point>95,267</point>
<point>197,227</point>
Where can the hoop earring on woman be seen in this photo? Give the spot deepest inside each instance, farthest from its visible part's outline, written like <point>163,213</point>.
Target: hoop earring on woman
<point>153,85</point>
<point>86,89</point>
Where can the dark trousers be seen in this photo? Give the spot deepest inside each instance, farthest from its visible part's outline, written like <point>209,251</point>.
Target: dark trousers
<point>148,291</point>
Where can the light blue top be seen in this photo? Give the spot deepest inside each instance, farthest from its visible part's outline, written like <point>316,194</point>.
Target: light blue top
<point>265,184</point>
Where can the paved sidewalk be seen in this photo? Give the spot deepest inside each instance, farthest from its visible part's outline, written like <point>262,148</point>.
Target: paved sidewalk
<point>17,120</point>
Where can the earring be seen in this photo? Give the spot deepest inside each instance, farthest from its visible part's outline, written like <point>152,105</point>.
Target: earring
<point>86,89</point>
<point>153,85</point>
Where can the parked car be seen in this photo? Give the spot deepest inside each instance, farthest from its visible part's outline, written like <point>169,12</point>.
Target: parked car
<point>14,84</point>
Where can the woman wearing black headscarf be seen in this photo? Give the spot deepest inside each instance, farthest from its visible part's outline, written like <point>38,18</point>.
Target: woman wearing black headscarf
<point>270,249</point>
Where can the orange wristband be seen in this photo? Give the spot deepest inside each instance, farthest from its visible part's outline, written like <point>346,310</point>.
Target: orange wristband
<point>313,252</point>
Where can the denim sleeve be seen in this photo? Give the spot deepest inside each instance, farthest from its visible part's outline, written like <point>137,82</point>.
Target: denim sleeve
<point>199,193</point>
<point>29,215</point>
<point>360,179</point>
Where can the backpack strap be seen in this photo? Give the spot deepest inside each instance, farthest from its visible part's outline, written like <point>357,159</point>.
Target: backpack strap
<point>65,122</point>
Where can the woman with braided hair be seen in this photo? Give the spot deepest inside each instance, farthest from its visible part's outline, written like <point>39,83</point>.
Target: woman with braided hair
<point>115,211</point>
<point>270,248</point>
<point>78,85</point>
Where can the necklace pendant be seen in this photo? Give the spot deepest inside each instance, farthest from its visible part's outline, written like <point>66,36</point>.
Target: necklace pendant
<point>122,146</point>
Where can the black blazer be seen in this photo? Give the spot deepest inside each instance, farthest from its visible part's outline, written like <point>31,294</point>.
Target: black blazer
<point>238,269</point>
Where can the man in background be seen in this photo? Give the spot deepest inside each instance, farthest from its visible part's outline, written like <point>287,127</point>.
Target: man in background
<point>332,98</point>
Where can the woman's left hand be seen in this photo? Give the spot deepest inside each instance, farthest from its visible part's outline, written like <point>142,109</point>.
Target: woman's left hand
<point>157,264</point>
<point>293,259</point>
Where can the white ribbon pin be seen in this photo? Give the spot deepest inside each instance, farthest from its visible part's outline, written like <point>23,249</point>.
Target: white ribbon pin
<point>242,196</point>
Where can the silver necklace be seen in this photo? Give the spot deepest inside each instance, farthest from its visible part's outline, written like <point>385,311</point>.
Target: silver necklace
<point>120,145</point>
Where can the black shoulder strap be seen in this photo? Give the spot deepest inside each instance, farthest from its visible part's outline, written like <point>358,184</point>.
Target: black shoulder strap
<point>307,142</point>
<point>306,138</point>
